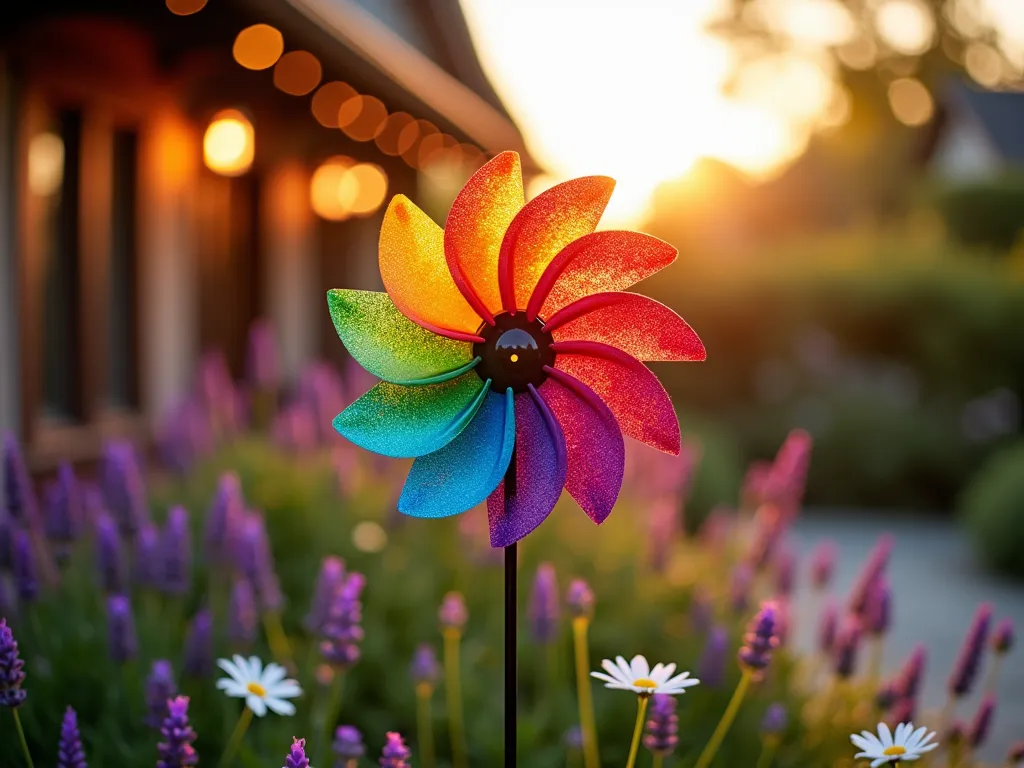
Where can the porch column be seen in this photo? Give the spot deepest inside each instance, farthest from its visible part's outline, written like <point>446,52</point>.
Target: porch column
<point>9,362</point>
<point>292,295</point>
<point>168,326</point>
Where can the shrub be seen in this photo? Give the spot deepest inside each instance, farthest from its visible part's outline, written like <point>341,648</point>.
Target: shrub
<point>989,213</point>
<point>993,508</point>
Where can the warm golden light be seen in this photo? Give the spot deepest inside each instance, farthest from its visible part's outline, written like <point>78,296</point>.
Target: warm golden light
<point>185,7</point>
<point>229,143</point>
<point>341,188</point>
<point>906,25</point>
<point>327,102</point>
<point>258,47</point>
<point>362,118</point>
<point>367,184</point>
<point>910,101</point>
<point>45,164</point>
<point>410,139</point>
<point>297,73</point>
<point>983,64</point>
<point>388,139</point>
<point>325,189</point>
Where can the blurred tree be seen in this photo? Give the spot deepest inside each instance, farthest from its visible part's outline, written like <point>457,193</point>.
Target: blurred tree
<point>864,79</point>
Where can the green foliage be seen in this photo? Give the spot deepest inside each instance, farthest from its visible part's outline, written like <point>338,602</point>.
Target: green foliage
<point>877,348</point>
<point>985,213</point>
<point>993,508</point>
<point>638,611</point>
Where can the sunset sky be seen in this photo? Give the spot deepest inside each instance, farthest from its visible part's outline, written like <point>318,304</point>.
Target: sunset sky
<point>633,88</point>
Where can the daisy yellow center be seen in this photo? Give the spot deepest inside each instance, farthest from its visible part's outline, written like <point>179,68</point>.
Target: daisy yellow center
<point>894,751</point>
<point>514,358</point>
<point>645,682</point>
<point>256,689</point>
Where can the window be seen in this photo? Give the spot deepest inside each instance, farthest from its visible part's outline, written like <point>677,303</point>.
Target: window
<point>122,343</point>
<point>54,167</point>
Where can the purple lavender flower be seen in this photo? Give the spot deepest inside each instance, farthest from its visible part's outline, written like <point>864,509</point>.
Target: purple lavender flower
<point>227,509</point>
<point>123,488</point>
<point>69,748</point>
<point>701,611</point>
<point>982,722</point>
<point>739,588</point>
<point>26,580</point>
<point>573,738</point>
<point>908,683</point>
<point>199,646</point>
<point>662,528</point>
<point>775,720</point>
<point>874,567</point>
<point>257,563</point>
<point>712,659</point>
<point>149,556</point>
<point>175,554</point>
<point>176,750</point>
<point>453,614</point>
<point>887,695</point>
<point>827,628</point>
<point>968,663</point>
<point>121,640</point>
<point>160,687</point>
<point>579,599</point>
<point>878,612</point>
<point>395,753</point>
<point>425,670</point>
<point>1016,754</point>
<point>109,559</point>
<point>242,615</point>
<point>1003,637</point>
<point>544,607</point>
<point>662,728</point>
<point>64,511</point>
<point>328,582</point>
<point>846,647</point>
<point>262,369</point>
<point>342,632</point>
<point>760,640</point>
<point>12,673</point>
<point>7,529</point>
<point>823,565</point>
<point>348,743</point>
<point>768,530</point>
<point>296,757</point>
<point>19,498</point>
<point>903,711</point>
<point>8,600</point>
<point>785,572</point>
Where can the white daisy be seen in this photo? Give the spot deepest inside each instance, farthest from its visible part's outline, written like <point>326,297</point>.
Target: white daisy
<point>906,744</point>
<point>637,676</point>
<point>260,686</point>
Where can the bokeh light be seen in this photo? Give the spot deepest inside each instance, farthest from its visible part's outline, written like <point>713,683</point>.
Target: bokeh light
<point>388,139</point>
<point>411,137</point>
<point>366,185</point>
<point>45,164</point>
<point>369,537</point>
<point>910,101</point>
<point>229,143</point>
<point>906,25</point>
<point>297,73</point>
<point>325,188</point>
<point>185,7</point>
<point>984,64</point>
<point>327,102</point>
<point>258,47</point>
<point>362,117</point>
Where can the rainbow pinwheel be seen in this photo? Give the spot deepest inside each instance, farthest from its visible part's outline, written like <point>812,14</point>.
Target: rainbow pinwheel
<point>507,337</point>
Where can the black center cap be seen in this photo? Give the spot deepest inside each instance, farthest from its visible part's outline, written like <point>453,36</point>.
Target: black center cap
<point>514,352</point>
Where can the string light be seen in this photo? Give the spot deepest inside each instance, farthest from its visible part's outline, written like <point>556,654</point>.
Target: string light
<point>229,143</point>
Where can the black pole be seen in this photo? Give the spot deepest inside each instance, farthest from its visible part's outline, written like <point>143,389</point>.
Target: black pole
<point>511,627</point>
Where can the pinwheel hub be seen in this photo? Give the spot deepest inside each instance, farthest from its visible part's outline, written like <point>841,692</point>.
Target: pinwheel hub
<point>514,352</point>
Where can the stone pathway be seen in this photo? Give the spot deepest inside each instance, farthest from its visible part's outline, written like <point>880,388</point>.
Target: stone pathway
<point>937,586</point>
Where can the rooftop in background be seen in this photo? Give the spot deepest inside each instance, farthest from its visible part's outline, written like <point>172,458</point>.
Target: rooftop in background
<point>1000,114</point>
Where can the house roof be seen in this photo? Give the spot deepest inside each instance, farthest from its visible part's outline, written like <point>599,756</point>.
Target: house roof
<point>1000,114</point>
<point>444,75</point>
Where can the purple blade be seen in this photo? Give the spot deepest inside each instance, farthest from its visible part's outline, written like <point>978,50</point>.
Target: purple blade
<point>540,462</point>
<point>595,450</point>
